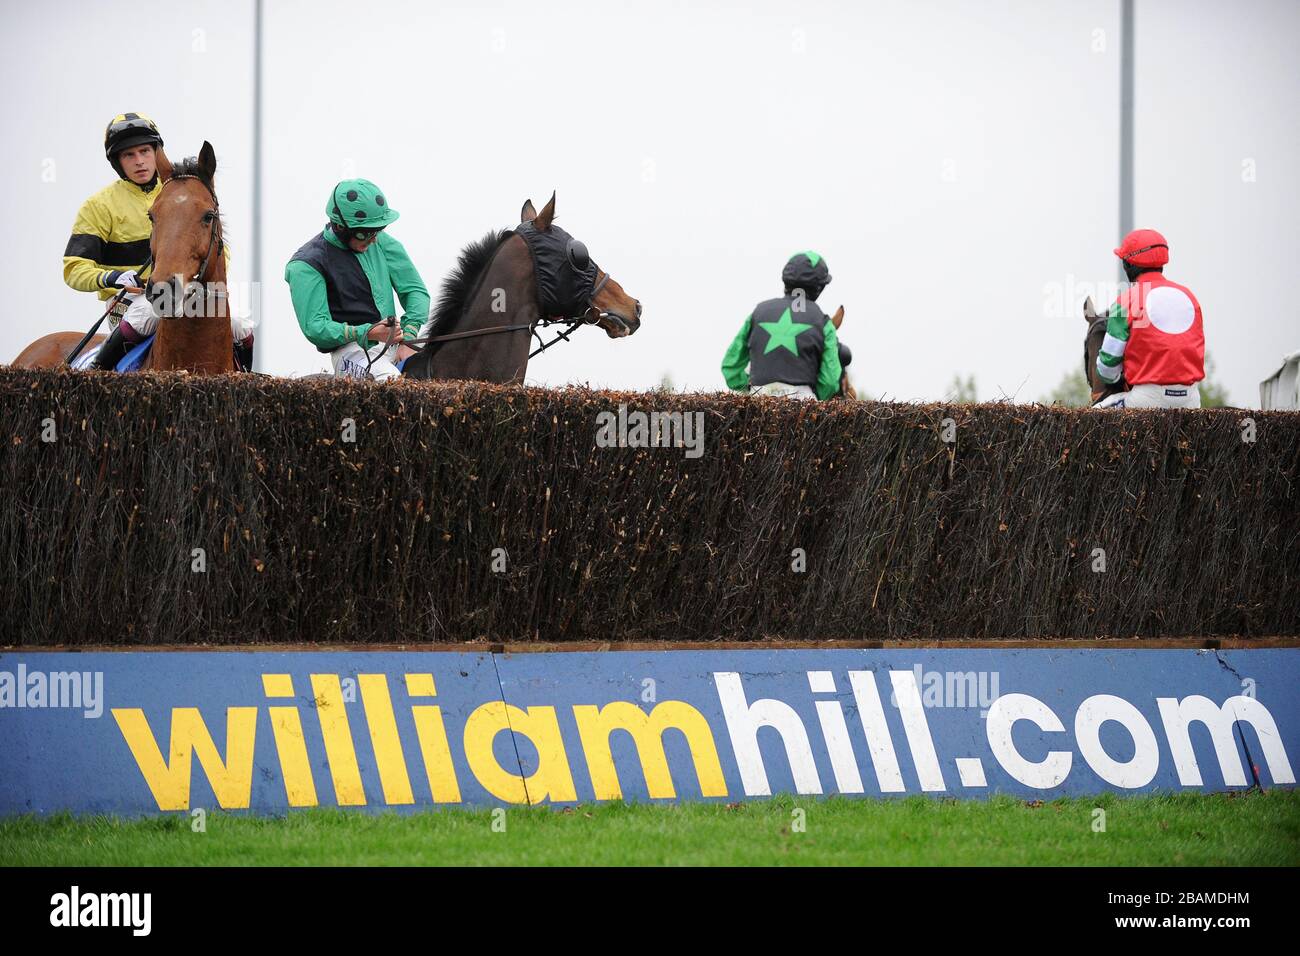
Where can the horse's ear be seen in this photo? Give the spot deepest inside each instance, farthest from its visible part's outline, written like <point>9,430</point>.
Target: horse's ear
<point>838,317</point>
<point>528,213</point>
<point>208,161</point>
<point>543,220</point>
<point>1089,310</point>
<point>163,164</point>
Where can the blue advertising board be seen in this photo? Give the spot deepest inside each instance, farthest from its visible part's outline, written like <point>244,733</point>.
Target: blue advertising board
<point>133,733</point>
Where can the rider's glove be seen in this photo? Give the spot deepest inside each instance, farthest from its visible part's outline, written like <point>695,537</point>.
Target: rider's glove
<point>122,278</point>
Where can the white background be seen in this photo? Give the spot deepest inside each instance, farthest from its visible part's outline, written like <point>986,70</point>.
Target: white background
<point>956,163</point>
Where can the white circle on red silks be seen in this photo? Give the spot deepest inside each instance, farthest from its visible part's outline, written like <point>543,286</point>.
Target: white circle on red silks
<point>1170,310</point>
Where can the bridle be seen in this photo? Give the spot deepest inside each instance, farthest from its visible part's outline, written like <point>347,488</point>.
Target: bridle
<point>214,237</point>
<point>592,315</point>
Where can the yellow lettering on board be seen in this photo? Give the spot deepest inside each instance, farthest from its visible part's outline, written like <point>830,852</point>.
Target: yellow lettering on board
<point>647,730</point>
<point>169,778</point>
<point>552,780</point>
<point>290,744</point>
<point>434,747</point>
<point>381,720</point>
<point>337,733</point>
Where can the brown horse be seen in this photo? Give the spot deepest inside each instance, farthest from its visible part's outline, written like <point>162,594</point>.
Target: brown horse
<point>50,350</point>
<point>188,283</point>
<point>1091,346</point>
<point>846,387</point>
<point>489,305</point>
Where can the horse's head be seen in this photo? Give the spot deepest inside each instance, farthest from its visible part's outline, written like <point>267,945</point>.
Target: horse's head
<point>606,304</point>
<point>186,240</point>
<point>1091,346</point>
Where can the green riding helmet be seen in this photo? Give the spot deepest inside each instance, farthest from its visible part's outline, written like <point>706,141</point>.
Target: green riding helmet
<point>359,204</point>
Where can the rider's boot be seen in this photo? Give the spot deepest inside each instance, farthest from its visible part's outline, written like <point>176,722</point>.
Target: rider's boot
<point>111,352</point>
<point>244,353</point>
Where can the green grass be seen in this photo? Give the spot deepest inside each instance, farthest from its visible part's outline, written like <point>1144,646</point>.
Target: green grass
<point>1180,830</point>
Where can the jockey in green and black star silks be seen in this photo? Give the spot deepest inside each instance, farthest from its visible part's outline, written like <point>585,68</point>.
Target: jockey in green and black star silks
<point>789,340</point>
<point>342,280</point>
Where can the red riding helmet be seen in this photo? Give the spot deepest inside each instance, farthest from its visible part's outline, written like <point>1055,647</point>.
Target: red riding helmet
<point>1144,247</point>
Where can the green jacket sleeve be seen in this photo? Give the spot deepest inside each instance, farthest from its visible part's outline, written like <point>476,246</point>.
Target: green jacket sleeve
<point>736,360</point>
<point>828,376</point>
<point>310,304</point>
<point>410,288</point>
<point>1110,357</point>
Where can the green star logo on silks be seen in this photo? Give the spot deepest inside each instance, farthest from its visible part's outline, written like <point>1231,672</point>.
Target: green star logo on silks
<point>782,333</point>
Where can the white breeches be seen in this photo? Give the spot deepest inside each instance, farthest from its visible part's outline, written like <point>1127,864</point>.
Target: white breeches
<point>782,390</point>
<point>350,361</point>
<point>1155,396</point>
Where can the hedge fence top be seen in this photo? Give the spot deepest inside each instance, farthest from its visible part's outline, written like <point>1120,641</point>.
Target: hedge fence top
<point>156,508</point>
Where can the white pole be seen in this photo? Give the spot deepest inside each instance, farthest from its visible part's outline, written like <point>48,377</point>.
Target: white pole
<point>1125,122</point>
<point>260,345</point>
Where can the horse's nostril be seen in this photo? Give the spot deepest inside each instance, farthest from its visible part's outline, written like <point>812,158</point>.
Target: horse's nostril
<point>638,308</point>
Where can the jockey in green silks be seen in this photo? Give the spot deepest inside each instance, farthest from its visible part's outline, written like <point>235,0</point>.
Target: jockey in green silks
<point>342,283</point>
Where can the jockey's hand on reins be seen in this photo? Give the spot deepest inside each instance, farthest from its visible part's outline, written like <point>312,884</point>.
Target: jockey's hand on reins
<point>387,343</point>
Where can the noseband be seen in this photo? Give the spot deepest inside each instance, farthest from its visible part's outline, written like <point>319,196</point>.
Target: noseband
<point>593,315</point>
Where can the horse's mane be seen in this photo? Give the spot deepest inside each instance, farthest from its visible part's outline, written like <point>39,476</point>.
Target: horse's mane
<point>189,166</point>
<point>459,287</point>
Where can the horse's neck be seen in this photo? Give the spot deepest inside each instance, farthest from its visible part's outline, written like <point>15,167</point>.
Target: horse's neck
<point>198,343</point>
<point>1096,386</point>
<point>507,295</point>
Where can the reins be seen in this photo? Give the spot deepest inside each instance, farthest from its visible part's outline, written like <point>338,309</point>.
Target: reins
<point>113,304</point>
<point>590,317</point>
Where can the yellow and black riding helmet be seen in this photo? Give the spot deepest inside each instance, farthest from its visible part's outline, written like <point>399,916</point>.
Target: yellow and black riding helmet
<point>126,130</point>
<point>358,204</point>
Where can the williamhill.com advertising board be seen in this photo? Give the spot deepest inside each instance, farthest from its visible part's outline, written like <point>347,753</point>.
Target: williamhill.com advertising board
<point>142,733</point>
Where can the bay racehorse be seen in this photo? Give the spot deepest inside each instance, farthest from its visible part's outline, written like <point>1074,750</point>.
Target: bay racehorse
<point>1091,346</point>
<point>503,288</point>
<point>846,356</point>
<point>187,286</point>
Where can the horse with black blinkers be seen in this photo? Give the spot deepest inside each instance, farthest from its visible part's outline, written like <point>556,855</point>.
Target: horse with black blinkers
<point>504,287</point>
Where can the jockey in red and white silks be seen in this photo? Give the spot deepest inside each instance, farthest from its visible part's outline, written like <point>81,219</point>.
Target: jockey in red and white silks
<point>1154,334</point>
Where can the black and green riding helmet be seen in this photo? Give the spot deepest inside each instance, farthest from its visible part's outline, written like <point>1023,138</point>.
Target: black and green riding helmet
<point>359,204</point>
<point>807,271</point>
